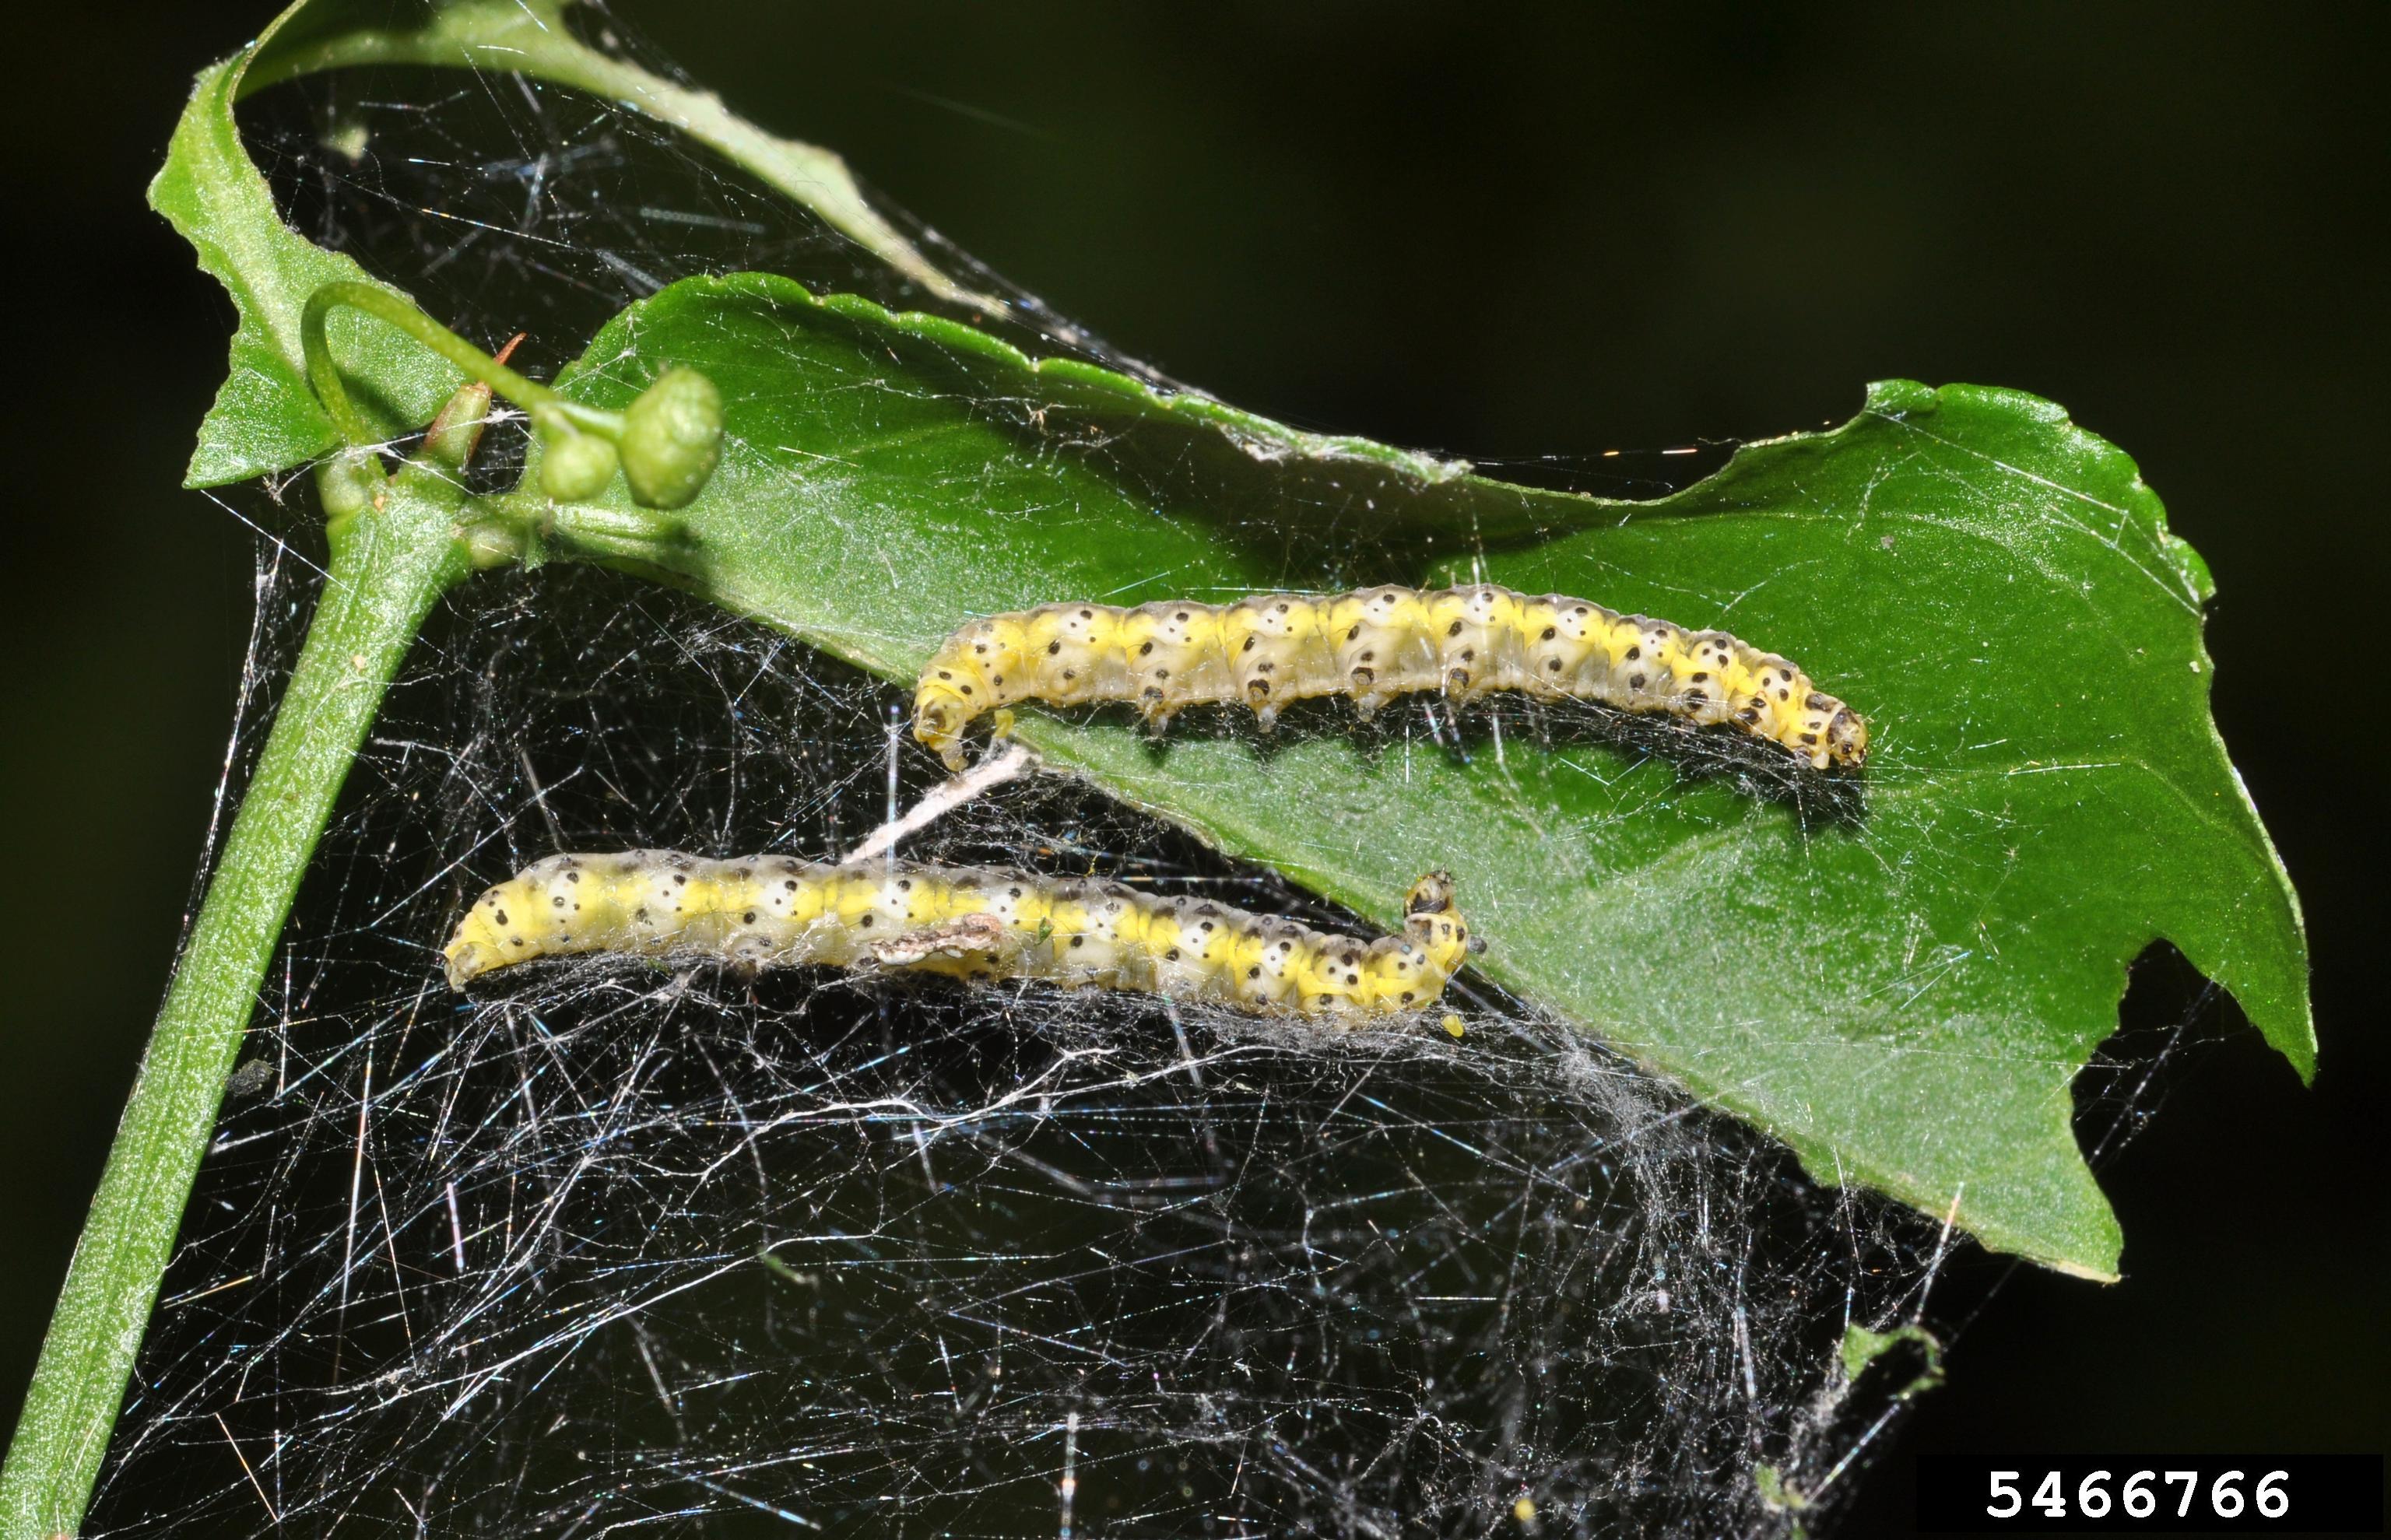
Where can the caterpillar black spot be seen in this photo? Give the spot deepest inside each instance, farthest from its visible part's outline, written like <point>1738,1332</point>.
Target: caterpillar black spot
<point>965,922</point>
<point>1373,645</point>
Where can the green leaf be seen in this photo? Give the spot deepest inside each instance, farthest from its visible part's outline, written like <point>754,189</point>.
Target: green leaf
<point>265,421</point>
<point>1902,1002</point>
<point>1904,999</point>
<point>535,38</point>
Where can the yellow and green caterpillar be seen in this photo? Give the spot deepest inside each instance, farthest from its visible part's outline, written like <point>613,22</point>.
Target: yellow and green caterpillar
<point>966,922</point>
<point>1373,645</point>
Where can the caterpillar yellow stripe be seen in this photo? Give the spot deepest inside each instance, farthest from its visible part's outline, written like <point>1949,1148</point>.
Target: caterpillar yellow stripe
<point>967,922</point>
<point>1373,645</point>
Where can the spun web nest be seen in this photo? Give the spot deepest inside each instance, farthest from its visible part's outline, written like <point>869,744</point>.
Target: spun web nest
<point>610,1248</point>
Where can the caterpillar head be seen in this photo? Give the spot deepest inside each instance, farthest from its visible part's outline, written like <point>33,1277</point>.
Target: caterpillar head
<point>1844,737</point>
<point>1826,732</point>
<point>480,941</point>
<point>1435,926</point>
<point>940,715</point>
<point>1847,738</point>
<point>469,959</point>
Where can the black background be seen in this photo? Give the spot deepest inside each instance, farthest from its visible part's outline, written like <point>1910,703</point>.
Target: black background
<point>1507,235</point>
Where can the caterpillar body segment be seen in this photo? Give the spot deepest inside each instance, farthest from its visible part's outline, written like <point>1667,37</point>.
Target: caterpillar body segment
<point>966,922</point>
<point>1374,646</point>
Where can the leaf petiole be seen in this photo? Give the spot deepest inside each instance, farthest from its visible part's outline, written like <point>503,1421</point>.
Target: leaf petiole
<point>323,376</point>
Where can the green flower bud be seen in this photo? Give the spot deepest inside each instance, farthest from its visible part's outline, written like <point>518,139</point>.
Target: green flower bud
<point>672,437</point>
<point>454,434</point>
<point>573,466</point>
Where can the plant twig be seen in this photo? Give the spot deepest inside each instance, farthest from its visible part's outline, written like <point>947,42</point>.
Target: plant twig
<point>387,569</point>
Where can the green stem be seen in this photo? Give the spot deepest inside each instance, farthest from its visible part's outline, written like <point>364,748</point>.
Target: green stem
<point>324,377</point>
<point>388,567</point>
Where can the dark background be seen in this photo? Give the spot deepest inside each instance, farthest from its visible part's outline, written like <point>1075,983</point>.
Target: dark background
<point>1506,236</point>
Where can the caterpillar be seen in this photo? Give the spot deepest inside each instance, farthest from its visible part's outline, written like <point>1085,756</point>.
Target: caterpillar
<point>978,922</point>
<point>1373,645</point>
